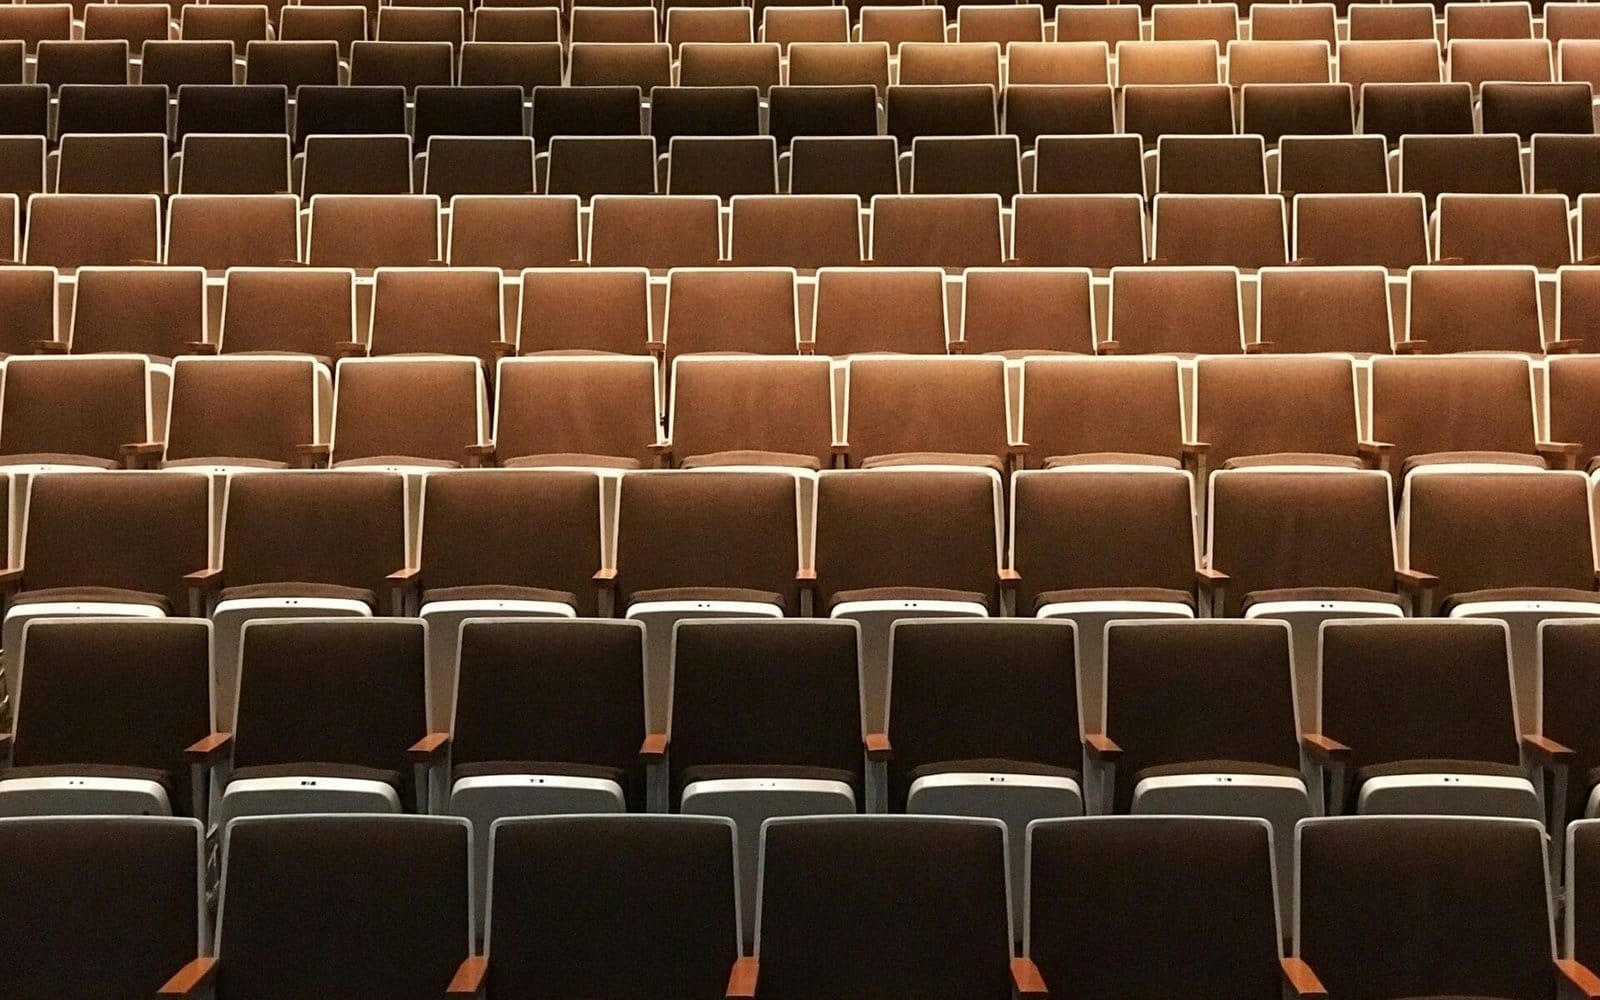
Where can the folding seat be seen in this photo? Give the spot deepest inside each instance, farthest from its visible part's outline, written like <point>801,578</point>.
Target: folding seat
<point>788,25</point>
<point>1531,108</point>
<point>406,64</point>
<point>240,24</point>
<point>156,311</point>
<point>1054,63</point>
<point>720,25</point>
<point>1315,396</point>
<point>927,411</point>
<point>177,64</point>
<point>299,544</point>
<point>864,310</point>
<point>303,310</point>
<point>1390,61</point>
<point>445,398</point>
<point>488,165</point>
<point>1033,111</point>
<point>620,64</point>
<point>22,165</point>
<point>67,231</point>
<point>1478,308</point>
<point>476,562</point>
<point>585,111</point>
<point>722,310</point>
<point>862,166</point>
<point>829,64</point>
<point>658,233</point>
<point>24,109</point>
<point>586,166</point>
<point>240,413</point>
<point>896,26</point>
<point>751,411</point>
<point>1571,386</point>
<point>1309,310</point>
<point>1115,866</point>
<point>529,65</point>
<point>422,24</point>
<point>722,166</point>
<point>1566,662</point>
<point>35,23</point>
<point>568,890</point>
<point>1003,26</point>
<point>436,310</point>
<point>1387,230</point>
<point>29,310</point>
<point>1503,543</point>
<point>587,412</point>
<point>1094,231</point>
<point>512,233</point>
<point>1096,23</point>
<point>1474,60</point>
<point>1153,110</point>
<point>256,109</point>
<point>1566,164</point>
<point>104,61</point>
<point>712,543</point>
<point>1568,20</point>
<point>952,231</point>
<point>600,309</point>
<point>274,865</point>
<point>130,164</point>
<point>1181,310</point>
<point>1174,62</point>
<point>514,24</point>
<point>357,164</point>
<point>348,111</point>
<point>940,109</point>
<point>134,23</point>
<point>370,231</point>
<point>292,64</point>
<point>822,111</point>
<point>344,24</point>
<point>1211,165</point>
<point>615,24</point>
<point>1017,311</point>
<point>1191,22</point>
<point>1488,20</point>
<point>68,756</point>
<point>147,877</point>
<point>112,109</point>
<point>715,64</point>
<point>952,63</point>
<point>1276,62</point>
<point>1397,110</point>
<point>1300,22</point>
<point>966,165</point>
<point>473,111</point>
<point>1089,164</point>
<point>905,542</point>
<point>1391,22</point>
<point>1278,110</point>
<point>807,231</point>
<point>1504,229</point>
<point>1488,164</point>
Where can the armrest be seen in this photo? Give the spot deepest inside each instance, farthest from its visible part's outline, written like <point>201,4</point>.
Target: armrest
<point>653,749</point>
<point>1374,454</point>
<point>200,347</point>
<point>841,455</point>
<point>656,347</point>
<point>1547,751</point>
<point>1009,579</point>
<point>1026,980</point>
<point>135,453</point>
<point>1559,454</point>
<point>502,349</point>
<point>1580,978</point>
<point>1324,749</point>
<point>1108,347</point>
<point>806,578</point>
<point>1411,347</point>
<point>606,578</point>
<point>190,979</point>
<point>1212,584</point>
<point>469,977</point>
<point>742,980</point>
<point>1101,746</point>
<point>349,349</point>
<point>209,577</point>
<point>207,749</point>
<point>10,579</point>
<point>430,748</point>
<point>313,455</point>
<point>1301,978</point>
<point>51,347</point>
<point>1210,579</point>
<point>403,590</point>
<point>877,745</point>
<point>1419,586</point>
<point>480,456</point>
<point>1259,347</point>
<point>203,586</point>
<point>955,348</point>
<point>662,451</point>
<point>1572,346</point>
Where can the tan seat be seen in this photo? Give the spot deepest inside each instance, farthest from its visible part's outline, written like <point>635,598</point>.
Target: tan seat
<point>592,412</point>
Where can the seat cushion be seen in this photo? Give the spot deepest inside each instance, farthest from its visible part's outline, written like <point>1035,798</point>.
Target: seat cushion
<point>1518,594</point>
<point>155,774</point>
<point>776,772</point>
<point>304,591</point>
<point>1244,767</point>
<point>375,461</point>
<point>780,459</point>
<point>54,458</point>
<point>98,595</point>
<point>497,592</point>
<point>906,594</point>
<point>706,594</point>
<point>1321,594</point>
<point>1151,595</point>
<point>242,463</point>
<point>321,769</point>
<point>993,765</point>
<point>489,768</point>
<point>934,458</point>
<point>1470,458</point>
<point>569,459</point>
<point>1112,458</point>
<point>1293,458</point>
<point>1403,768</point>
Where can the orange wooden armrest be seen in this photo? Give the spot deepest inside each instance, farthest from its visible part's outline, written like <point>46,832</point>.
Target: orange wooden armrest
<point>1108,347</point>
<point>606,577</point>
<point>1010,578</point>
<point>205,347</point>
<point>1572,346</point>
<point>840,448</point>
<point>653,749</point>
<point>502,349</point>
<point>143,448</point>
<point>1324,748</point>
<point>1411,579</point>
<point>1259,347</point>
<point>1019,449</point>
<point>1580,977</point>
<point>1196,447</point>
<point>480,455</point>
<point>656,346</point>
<point>404,577</point>
<point>9,578</point>
<point>1301,978</point>
<point>1547,750</point>
<point>487,448</point>
<point>877,745</point>
<point>1207,577</point>
<point>190,979</point>
<point>208,748</point>
<point>1101,746</point>
<point>742,979</point>
<point>1026,979</point>
<point>51,347</point>
<point>430,747</point>
<point>1411,347</point>
<point>1559,454</point>
<point>469,977</point>
<point>955,347</point>
<point>1374,447</point>
<point>209,577</point>
<point>349,349</point>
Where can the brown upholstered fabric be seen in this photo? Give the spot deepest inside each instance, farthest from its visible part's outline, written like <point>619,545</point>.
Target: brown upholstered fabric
<point>216,108</point>
<point>968,690</point>
<point>704,111</point>
<point>119,108</point>
<point>112,164</point>
<point>555,460</point>
<point>1153,595</point>
<point>1073,406</point>
<point>1152,110</point>
<point>786,460</point>
<point>1179,692</point>
<point>131,531</point>
<point>142,310</point>
<point>756,694</point>
<point>1478,309</point>
<point>102,61</point>
<point>723,165</point>
<point>738,405</point>
<point>1566,164</point>
<point>406,64</point>
<point>1393,110</point>
<point>1578,297</point>
<point>934,63</point>
<point>513,233</point>
<point>330,110</point>
<point>93,595</point>
<point>237,231</point>
<point>927,898</point>
<point>1322,594</point>
<point>839,64</point>
<point>435,311</point>
<point>655,232</point>
<point>585,309</point>
<point>1161,310</point>
<point>806,111</point>
<point>530,65</point>
<point>613,906</point>
<point>1573,385</point>
<point>1495,594</point>
<point>808,232</point>
<point>512,529</point>
<point>304,591</point>
<point>708,529</point>
<point>357,164</point>
<point>952,231</point>
<point>892,459</point>
<point>1263,405</point>
<point>301,310</point>
<point>1491,164</point>
<point>1328,164</point>
<point>1308,310</point>
<point>191,62</point>
<point>585,110</point>
<point>966,165</point>
<point>1470,457</point>
<point>1034,110</point>
<point>1085,24</point>
<point>293,63</point>
<point>1291,530</point>
<point>859,311</point>
<point>1245,231</point>
<point>1276,110</point>
<point>551,690</point>
<point>69,231</point>
<point>1582,905</point>
<point>1428,405</point>
<point>954,405</point>
<point>940,109</point>
<point>143,877</point>
<point>1375,229</point>
<point>27,308</point>
<point>731,310</point>
<point>341,893</point>
<point>589,406</point>
<point>408,408</point>
<point>1089,164</point>
<point>1212,165</point>
<point>1099,233</point>
<point>1024,309</point>
<point>1533,108</point>
<point>1154,886</point>
<point>643,65</point>
<point>1110,458</point>
<point>368,231</point>
<point>257,409</point>
<point>1395,906</point>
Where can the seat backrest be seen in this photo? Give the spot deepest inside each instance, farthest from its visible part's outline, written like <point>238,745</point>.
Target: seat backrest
<point>1528,229</point>
<point>292,63</point>
<point>1176,309</point>
<point>115,108</point>
<point>714,64</point>
<point>1211,165</point>
<point>930,404</point>
<point>800,231</point>
<point>787,25</point>
<point>342,528</point>
<point>658,233</point>
<point>896,26</point>
<point>1331,164</point>
<point>1411,60</point>
<point>628,64</point>
<point>840,110</point>
<point>430,408</point>
<point>778,405</point>
<point>937,230</point>
<point>520,25</point>
<point>1487,308</point>
<point>1314,399</point>
<point>1573,396</point>
<point>370,231</point>
<point>1566,675</point>
<point>1080,406</point>
<point>1474,60</point>
<point>862,166</point>
<point>436,311</point>
<point>255,408</point>
<point>72,230</point>
<point>1096,23</point>
<point>726,110</point>
<point>585,110</point>
<point>950,62</point>
<point>372,110</point>
<point>585,309</point>
<point>1055,63</point>
<point>1033,111</point>
<point>103,61</point>
<point>966,165</point>
<point>406,64</point>
<point>147,310</point>
<point>1021,309</point>
<point>1488,400</point>
<point>1153,110</point>
<point>1182,22</point>
<point>28,308</point>
<point>513,232</point>
<point>187,63</point>
<point>357,164</point>
<point>1342,230</point>
<point>586,406</point>
<point>1192,61</point>
<point>1226,230</point>
<point>877,309</point>
<point>475,111</point>
<point>304,310</point>
<point>1304,61</point>
<point>1093,231</point>
<point>112,164</point>
<point>1432,164</point>
<point>1277,110</point>
<point>87,407</point>
<point>723,166</point>
<point>237,165</point>
<point>839,63</point>
<point>940,109</point>
<point>745,310</point>
<point>1002,25</point>
<point>1308,310</point>
<point>586,166</point>
<point>722,25</point>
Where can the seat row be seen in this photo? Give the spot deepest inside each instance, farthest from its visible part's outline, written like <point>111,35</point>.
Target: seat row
<point>657,898</point>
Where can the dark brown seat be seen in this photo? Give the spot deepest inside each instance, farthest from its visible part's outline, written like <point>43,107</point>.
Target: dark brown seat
<point>576,411</point>
<point>299,310</point>
<point>409,412</point>
<point>1016,310</point>
<point>1315,403</point>
<point>513,232</point>
<point>952,231</point>
<point>861,310</point>
<point>1244,231</point>
<point>744,310</point>
<point>454,311</point>
<point>799,231</point>
<point>74,411</point>
<point>1505,229</point>
<point>590,309</point>
<point>1182,310</point>
<point>749,411</point>
<point>658,233</point>
<point>927,411</point>
<point>156,311</point>
<point>1103,406</point>
<point>1489,400</point>
<point>1342,230</point>
<point>242,412</point>
<point>371,231</point>
<point>1094,231</point>
<point>1333,164</point>
<point>1310,310</point>
<point>1488,308</point>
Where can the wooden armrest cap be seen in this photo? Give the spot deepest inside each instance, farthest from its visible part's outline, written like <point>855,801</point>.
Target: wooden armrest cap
<point>742,979</point>
<point>313,449</point>
<point>1324,746</point>
<point>1196,447</point>
<point>469,976</point>
<point>607,575</point>
<point>13,575</point>
<point>429,747</point>
<point>407,575</point>
<point>143,448</point>
<point>653,748</point>
<point>190,978</point>
<point>481,449</point>
<point>207,747</point>
<point>1205,574</point>
<point>1010,576</point>
<point>1301,978</point>
<point>1374,447</point>
<point>1581,977</point>
<point>877,745</point>
<point>201,577</point>
<point>1102,746</point>
<point>805,576</point>
<point>1026,978</point>
<point>1415,578</point>
<point>1548,748</point>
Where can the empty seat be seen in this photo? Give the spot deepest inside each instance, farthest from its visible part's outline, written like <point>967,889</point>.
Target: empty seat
<point>1565,676</point>
<point>234,165</point>
<point>406,64</point>
<point>723,166</point>
<point>1279,110</point>
<point>1492,20</point>
<point>726,26</point>
<point>492,165</point>
<point>819,64</point>
<point>1054,63</point>
<point>860,310</point>
<point>1571,387</point>
<point>620,64</point>
<point>521,25</point>
<point>750,411</point>
<point>1398,110</point>
<point>1153,110</point>
<point>1002,26</point>
<point>240,24</point>
<point>592,309</point>
<point>787,25</point>
<point>1256,62</point>
<point>437,311</point>
<point>348,111</point>
<point>474,111</point>
<point>24,109</point>
<point>445,400</point>
<point>1167,62</point>
<point>1386,230</point>
<point>940,109</point>
<point>576,411</point>
<point>717,64</point>
<point>1308,310</point>
<point>896,26</point>
<point>1244,231</point>
<point>341,24</point>
<point>1096,23</point>
<point>1315,397</point>
<point>710,111</point>
<point>950,231</point>
<point>296,310</point>
<point>586,166</point>
<point>927,411</point>
<point>112,109</point>
<point>1343,164</point>
<point>1565,164</point>
<point>1410,60</point>
<point>1034,111</point>
<point>356,164</point>
<point>157,311</point>
<point>812,111</point>
<point>112,164</point>
<point>1211,165</point>
<point>1474,60</point>
<point>529,65</point>
<point>292,63</point>
<point>1023,310</point>
<point>188,63</point>
<point>422,24</point>
<point>1532,108</point>
<point>512,233</point>
<point>1486,398</point>
<point>29,309</point>
<point>726,310</point>
<point>34,23</point>
<point>864,166</point>
<point>1484,308</point>
<point>133,23</point>
<point>1488,164</point>
<point>969,165</point>
<point>369,231</point>
<point>803,231</point>
<point>1505,229</point>
<point>1183,22</point>
<point>243,412</point>
<point>922,63</point>
<point>1182,310</point>
<point>658,233</point>
<point>1094,231</point>
<point>63,62</point>
<point>1089,164</point>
